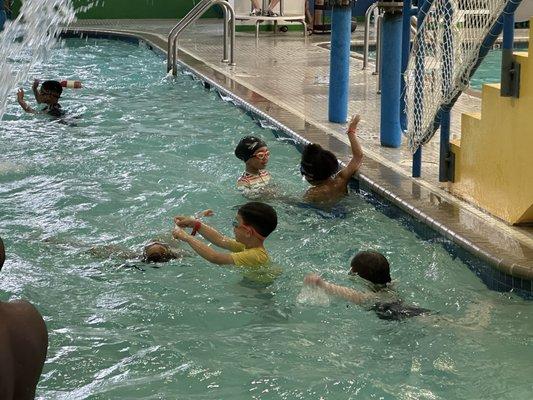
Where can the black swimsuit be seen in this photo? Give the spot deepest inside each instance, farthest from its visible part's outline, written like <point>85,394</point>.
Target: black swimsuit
<point>397,311</point>
<point>54,110</point>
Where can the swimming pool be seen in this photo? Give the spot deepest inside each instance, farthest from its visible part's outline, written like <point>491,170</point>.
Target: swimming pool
<point>146,148</point>
<point>489,70</point>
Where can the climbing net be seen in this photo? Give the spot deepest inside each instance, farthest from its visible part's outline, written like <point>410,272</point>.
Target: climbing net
<point>445,50</point>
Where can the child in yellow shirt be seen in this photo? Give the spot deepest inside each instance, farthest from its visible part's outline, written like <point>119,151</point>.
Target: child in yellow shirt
<point>253,223</point>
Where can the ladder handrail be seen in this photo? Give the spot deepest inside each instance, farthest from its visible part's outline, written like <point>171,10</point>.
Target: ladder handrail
<point>184,20</point>
<point>194,15</point>
<point>372,9</point>
<point>225,7</point>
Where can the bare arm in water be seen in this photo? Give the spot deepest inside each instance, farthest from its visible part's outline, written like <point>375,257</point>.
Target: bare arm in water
<point>340,291</point>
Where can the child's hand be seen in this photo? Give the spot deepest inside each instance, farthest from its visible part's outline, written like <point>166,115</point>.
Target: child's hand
<point>20,95</point>
<point>184,221</point>
<point>180,234</point>
<point>205,213</point>
<point>314,280</point>
<point>35,84</point>
<point>353,123</point>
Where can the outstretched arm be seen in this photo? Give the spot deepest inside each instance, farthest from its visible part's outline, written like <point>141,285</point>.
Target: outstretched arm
<point>209,233</point>
<point>202,249</point>
<point>336,290</point>
<point>357,152</point>
<point>22,102</point>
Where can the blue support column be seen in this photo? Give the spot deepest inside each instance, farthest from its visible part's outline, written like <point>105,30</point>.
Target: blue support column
<point>3,16</point>
<point>447,67</point>
<point>406,47</point>
<point>390,131</point>
<point>423,7</point>
<point>507,54</point>
<point>339,70</point>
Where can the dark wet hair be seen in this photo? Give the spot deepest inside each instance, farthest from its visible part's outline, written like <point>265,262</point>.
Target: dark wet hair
<point>248,146</point>
<point>149,255</point>
<point>2,253</point>
<point>260,216</point>
<point>372,266</point>
<point>318,164</point>
<point>52,86</point>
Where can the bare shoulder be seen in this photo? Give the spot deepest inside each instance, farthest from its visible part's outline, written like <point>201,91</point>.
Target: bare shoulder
<point>22,315</point>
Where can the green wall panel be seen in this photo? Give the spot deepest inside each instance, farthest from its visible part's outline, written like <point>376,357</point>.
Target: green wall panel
<point>137,9</point>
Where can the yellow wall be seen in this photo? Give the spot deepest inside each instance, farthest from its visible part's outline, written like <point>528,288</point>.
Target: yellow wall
<point>494,158</point>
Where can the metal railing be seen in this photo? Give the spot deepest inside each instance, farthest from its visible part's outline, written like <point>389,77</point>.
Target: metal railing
<point>373,9</point>
<point>196,12</point>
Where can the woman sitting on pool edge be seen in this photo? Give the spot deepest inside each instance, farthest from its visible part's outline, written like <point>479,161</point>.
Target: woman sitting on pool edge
<point>320,168</point>
<point>253,223</point>
<point>374,268</point>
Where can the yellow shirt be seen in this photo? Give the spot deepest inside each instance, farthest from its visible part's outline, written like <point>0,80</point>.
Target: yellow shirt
<point>253,257</point>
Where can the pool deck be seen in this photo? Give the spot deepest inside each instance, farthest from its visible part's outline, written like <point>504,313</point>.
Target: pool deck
<point>285,76</point>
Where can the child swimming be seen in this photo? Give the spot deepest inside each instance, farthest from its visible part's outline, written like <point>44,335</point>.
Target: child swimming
<point>374,268</point>
<point>320,168</point>
<point>49,94</point>
<point>254,152</point>
<point>252,225</point>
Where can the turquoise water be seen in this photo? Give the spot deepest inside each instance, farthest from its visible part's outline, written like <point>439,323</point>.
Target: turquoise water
<point>146,148</point>
<point>490,69</point>
<point>488,72</point>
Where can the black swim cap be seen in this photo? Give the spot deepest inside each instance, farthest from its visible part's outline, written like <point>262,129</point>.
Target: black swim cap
<point>248,146</point>
<point>52,86</point>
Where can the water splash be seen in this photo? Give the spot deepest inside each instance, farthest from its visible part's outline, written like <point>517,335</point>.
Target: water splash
<point>28,39</point>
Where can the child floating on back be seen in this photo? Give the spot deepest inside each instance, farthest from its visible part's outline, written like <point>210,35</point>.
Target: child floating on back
<point>252,225</point>
<point>254,152</point>
<point>320,168</point>
<point>49,94</point>
<point>374,268</point>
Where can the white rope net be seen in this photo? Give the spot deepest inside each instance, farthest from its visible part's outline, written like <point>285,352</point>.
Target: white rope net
<point>445,50</point>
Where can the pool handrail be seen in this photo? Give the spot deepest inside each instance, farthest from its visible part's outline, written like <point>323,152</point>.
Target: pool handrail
<point>185,19</point>
<point>373,9</point>
<point>200,9</point>
<point>191,17</point>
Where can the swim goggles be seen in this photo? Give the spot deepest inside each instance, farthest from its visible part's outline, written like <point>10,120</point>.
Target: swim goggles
<point>262,155</point>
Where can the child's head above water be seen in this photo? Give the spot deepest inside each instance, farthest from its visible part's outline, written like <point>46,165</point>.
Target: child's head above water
<point>50,92</point>
<point>157,252</point>
<point>318,164</point>
<point>260,217</point>
<point>253,151</point>
<point>372,266</point>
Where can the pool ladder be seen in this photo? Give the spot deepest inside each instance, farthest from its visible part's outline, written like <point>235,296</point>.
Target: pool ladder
<point>196,12</point>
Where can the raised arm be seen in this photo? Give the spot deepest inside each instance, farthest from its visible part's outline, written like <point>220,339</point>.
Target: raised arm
<point>209,233</point>
<point>340,291</point>
<point>203,249</point>
<point>36,93</point>
<point>22,102</point>
<point>357,152</point>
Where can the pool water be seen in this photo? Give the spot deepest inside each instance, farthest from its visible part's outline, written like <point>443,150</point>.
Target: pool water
<point>489,70</point>
<point>146,148</point>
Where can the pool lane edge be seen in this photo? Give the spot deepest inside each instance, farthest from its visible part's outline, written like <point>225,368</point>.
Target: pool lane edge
<point>510,272</point>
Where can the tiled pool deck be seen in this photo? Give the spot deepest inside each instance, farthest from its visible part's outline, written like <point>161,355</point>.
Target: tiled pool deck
<point>284,77</point>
